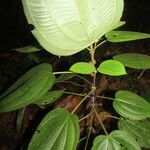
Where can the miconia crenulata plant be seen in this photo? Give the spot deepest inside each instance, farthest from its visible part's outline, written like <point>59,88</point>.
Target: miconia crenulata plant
<point>66,27</point>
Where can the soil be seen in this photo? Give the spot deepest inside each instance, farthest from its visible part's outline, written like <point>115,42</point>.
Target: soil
<point>15,133</point>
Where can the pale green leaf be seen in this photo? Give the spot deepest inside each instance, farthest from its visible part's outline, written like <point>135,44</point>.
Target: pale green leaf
<point>112,68</point>
<point>49,97</point>
<point>117,140</point>
<point>59,130</point>
<point>130,105</point>
<point>28,92</point>
<point>83,68</point>
<point>139,129</point>
<point>27,49</point>
<point>134,60</point>
<point>65,27</point>
<point>28,75</point>
<point>123,36</point>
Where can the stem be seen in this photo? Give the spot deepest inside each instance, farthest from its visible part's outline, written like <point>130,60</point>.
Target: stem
<point>70,82</point>
<point>104,97</point>
<point>71,93</point>
<point>84,117</point>
<point>63,72</point>
<point>88,137</point>
<point>97,115</point>
<point>100,44</point>
<point>83,78</point>
<point>82,100</point>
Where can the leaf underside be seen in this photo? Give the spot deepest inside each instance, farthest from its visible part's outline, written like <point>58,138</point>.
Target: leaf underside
<point>68,26</point>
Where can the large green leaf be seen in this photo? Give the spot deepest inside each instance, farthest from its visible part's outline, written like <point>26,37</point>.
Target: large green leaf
<point>82,68</point>
<point>134,60</point>
<point>65,27</point>
<point>131,105</point>
<point>28,92</point>
<point>112,68</point>
<point>139,129</point>
<point>49,97</point>
<point>59,130</point>
<point>28,75</point>
<point>117,140</point>
<point>123,36</point>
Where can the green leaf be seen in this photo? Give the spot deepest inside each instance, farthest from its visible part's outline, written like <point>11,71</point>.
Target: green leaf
<point>50,97</point>
<point>112,68</point>
<point>117,140</point>
<point>134,60</point>
<point>123,36</point>
<point>138,129</point>
<point>59,130</point>
<point>28,75</point>
<point>27,49</point>
<point>67,27</point>
<point>83,68</point>
<point>130,105</point>
<point>28,92</point>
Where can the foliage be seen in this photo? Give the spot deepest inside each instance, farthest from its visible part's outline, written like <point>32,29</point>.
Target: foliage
<point>64,132</point>
<point>117,140</point>
<point>65,28</point>
<point>134,60</point>
<point>112,68</point>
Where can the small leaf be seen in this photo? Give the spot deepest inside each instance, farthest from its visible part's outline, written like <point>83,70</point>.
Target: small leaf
<point>112,68</point>
<point>123,36</point>
<point>49,97</point>
<point>134,60</point>
<point>27,49</point>
<point>82,68</point>
<point>28,92</point>
<point>130,105</point>
<point>138,129</point>
<point>59,130</point>
<point>117,140</point>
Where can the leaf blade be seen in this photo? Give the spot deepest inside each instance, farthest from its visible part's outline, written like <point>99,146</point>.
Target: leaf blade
<point>58,29</point>
<point>130,105</point>
<point>28,92</point>
<point>138,129</point>
<point>82,68</point>
<point>134,60</point>
<point>62,125</point>
<point>112,68</point>
<point>117,140</point>
<point>124,36</point>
